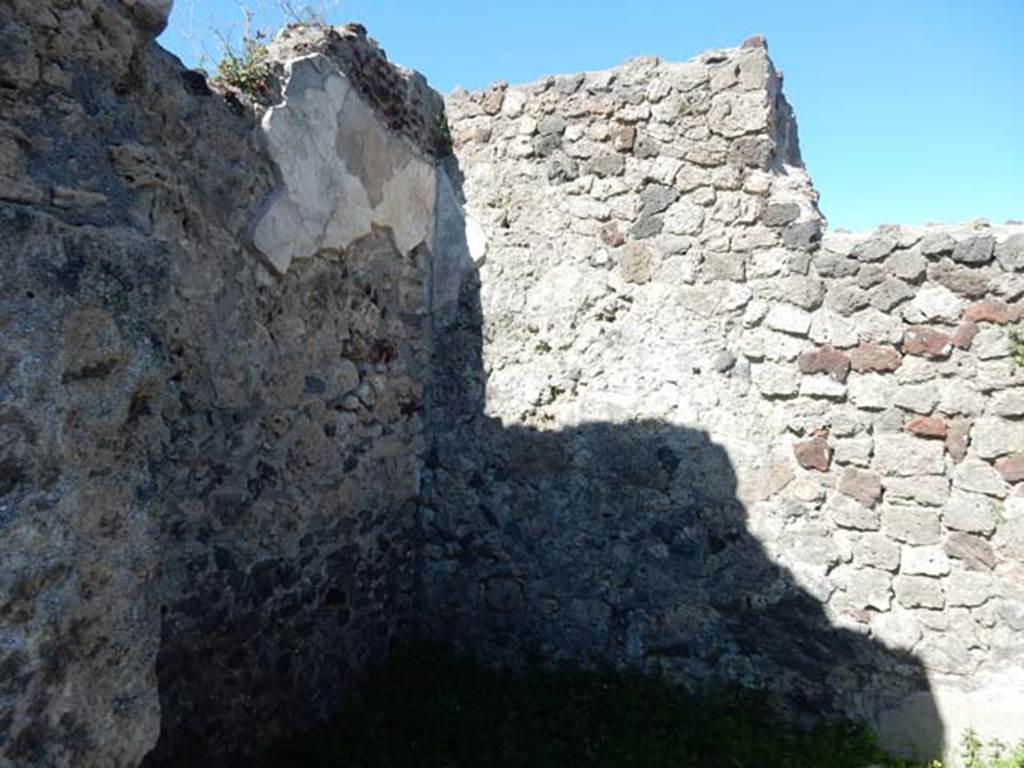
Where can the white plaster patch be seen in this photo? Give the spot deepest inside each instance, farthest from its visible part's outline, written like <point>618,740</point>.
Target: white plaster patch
<point>342,172</point>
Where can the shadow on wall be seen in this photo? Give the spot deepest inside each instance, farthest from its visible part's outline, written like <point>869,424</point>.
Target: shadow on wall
<point>625,543</point>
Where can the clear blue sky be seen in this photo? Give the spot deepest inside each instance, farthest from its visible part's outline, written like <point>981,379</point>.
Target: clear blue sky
<point>909,110</point>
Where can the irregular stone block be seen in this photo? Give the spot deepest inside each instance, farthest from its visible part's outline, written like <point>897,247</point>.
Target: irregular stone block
<point>874,248</point>
<point>971,283</point>
<point>928,426</point>
<point>871,391</point>
<point>899,630</point>
<point>846,299</point>
<point>890,294</point>
<point>926,342</point>
<point>854,450</point>
<point>897,454</point>
<point>813,453</point>
<point>934,303</point>
<point>918,398</point>
<point>866,488</point>
<point>974,551</point>
<point>1011,467</point>
<point>911,525</point>
<point>788,319</point>
<point>869,588</point>
<point>1009,539</point>
<point>969,589</point>
<point>919,592</point>
<point>992,437</point>
<point>875,358</point>
<point>929,490</point>
<point>964,335</point>
<point>1010,253</point>
<point>828,360</point>
<point>974,250</point>
<point>877,551</point>
<point>979,477</point>
<point>947,653</point>
<point>992,310</point>
<point>776,380</point>
<point>822,386</point>
<point>924,561</point>
<point>780,214</point>
<point>907,265</point>
<point>956,439</point>
<point>1008,403</point>
<point>635,263</point>
<point>937,244</point>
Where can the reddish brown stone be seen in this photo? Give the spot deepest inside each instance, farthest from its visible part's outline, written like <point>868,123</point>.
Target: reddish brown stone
<point>868,358</point>
<point>1011,467</point>
<point>956,438</point>
<point>992,311</point>
<point>828,360</point>
<point>863,486</point>
<point>927,426</point>
<point>813,453</point>
<point>923,341</point>
<point>756,41</point>
<point>611,235</point>
<point>964,335</point>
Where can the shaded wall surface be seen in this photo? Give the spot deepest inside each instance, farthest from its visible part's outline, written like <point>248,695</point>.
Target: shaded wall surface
<point>283,380</point>
<point>210,444</point>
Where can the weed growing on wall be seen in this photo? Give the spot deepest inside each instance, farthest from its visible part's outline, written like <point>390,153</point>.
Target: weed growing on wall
<point>995,754</point>
<point>244,65</point>
<point>246,71</point>
<point>1017,346</point>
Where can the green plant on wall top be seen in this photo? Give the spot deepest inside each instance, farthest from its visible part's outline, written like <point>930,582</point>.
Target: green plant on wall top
<point>246,69</point>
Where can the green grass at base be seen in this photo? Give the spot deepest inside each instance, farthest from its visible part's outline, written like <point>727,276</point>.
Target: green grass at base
<point>428,709</point>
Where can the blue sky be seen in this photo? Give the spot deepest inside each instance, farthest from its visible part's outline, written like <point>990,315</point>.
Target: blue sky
<point>909,110</point>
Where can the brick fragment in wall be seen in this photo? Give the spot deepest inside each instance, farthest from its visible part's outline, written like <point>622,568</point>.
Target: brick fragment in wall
<point>813,453</point>
<point>865,487</point>
<point>928,426</point>
<point>1011,467</point>
<point>993,311</point>
<point>875,358</point>
<point>827,360</point>
<point>926,342</point>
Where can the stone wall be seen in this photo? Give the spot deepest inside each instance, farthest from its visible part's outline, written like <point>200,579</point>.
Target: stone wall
<point>211,414</point>
<point>270,400</point>
<point>706,440</point>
